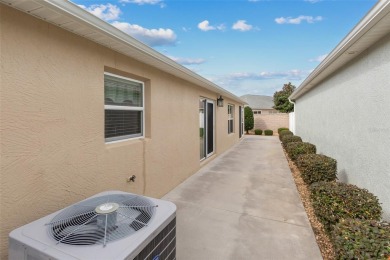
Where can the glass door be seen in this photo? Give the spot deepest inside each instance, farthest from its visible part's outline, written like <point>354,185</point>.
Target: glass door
<point>202,119</point>
<point>206,128</point>
<point>241,121</point>
<point>210,127</point>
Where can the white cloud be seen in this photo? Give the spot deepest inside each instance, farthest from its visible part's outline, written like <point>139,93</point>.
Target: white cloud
<point>242,26</point>
<point>263,83</point>
<point>187,61</point>
<point>298,20</point>
<point>106,12</point>
<point>289,75</point>
<point>141,2</point>
<point>205,26</point>
<point>221,27</point>
<point>313,1</point>
<point>319,58</point>
<point>152,37</point>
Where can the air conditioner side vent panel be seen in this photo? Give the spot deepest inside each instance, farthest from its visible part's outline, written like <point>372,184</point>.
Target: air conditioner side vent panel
<point>163,245</point>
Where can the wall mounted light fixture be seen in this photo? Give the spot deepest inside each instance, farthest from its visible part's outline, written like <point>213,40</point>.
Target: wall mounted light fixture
<point>220,101</point>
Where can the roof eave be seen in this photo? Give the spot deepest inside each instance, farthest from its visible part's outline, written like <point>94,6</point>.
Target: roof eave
<point>115,37</point>
<point>362,36</point>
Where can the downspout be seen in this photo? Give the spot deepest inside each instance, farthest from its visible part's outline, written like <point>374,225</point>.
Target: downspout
<point>292,102</point>
<point>292,129</point>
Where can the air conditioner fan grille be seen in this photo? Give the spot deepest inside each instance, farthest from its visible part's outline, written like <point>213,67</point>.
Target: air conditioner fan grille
<point>86,222</point>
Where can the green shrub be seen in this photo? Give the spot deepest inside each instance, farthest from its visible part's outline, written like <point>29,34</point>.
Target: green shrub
<point>283,133</point>
<point>249,121</point>
<point>290,139</point>
<point>334,201</point>
<point>356,239</point>
<point>268,132</point>
<point>317,167</point>
<point>298,148</point>
<point>258,131</point>
<point>281,129</point>
<point>201,130</point>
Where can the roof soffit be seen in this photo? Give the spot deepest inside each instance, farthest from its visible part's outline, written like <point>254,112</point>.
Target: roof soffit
<point>70,17</point>
<point>374,26</point>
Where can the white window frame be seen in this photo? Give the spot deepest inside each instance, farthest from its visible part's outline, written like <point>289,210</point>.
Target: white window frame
<point>230,117</point>
<point>131,108</point>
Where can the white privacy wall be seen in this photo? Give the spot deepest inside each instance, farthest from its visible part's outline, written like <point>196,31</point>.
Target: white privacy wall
<point>347,117</point>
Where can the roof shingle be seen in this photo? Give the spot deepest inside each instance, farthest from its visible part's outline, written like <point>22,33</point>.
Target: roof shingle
<point>259,101</point>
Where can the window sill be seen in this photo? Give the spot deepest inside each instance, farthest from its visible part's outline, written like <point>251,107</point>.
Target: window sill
<point>126,142</point>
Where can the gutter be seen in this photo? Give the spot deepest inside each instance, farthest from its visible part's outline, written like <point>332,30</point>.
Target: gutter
<point>111,37</point>
<point>373,26</point>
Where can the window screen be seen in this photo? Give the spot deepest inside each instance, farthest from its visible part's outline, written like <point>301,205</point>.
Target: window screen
<point>123,104</point>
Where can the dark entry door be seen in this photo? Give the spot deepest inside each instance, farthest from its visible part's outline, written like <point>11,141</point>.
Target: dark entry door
<point>206,128</point>
<point>210,127</point>
<point>239,120</point>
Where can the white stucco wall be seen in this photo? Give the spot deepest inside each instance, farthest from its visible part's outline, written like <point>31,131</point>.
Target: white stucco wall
<point>348,118</point>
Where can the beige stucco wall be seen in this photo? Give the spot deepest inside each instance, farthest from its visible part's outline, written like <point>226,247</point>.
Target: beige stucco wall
<point>271,121</point>
<point>53,151</point>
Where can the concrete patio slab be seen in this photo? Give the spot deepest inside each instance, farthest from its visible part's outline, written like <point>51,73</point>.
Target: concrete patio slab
<point>243,205</point>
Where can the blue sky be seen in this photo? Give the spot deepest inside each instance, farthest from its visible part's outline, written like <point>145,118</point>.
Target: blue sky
<point>244,46</point>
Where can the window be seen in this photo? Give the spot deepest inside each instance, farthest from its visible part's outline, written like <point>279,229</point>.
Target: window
<point>257,112</point>
<point>230,119</point>
<point>123,108</point>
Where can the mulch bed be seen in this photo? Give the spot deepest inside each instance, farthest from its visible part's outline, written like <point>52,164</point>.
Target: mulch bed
<point>322,239</point>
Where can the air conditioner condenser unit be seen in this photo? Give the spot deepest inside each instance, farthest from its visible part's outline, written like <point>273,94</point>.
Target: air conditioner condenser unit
<point>109,225</point>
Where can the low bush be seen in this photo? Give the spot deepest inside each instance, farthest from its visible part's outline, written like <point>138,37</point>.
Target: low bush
<point>334,201</point>
<point>283,133</point>
<point>317,167</point>
<point>281,129</point>
<point>356,239</point>
<point>258,131</point>
<point>298,148</point>
<point>290,139</point>
<point>268,132</point>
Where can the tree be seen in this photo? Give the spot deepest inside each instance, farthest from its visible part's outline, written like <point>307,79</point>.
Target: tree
<point>281,101</point>
<point>248,117</point>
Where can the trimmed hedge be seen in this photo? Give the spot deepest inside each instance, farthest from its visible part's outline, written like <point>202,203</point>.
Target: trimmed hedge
<point>258,131</point>
<point>281,129</point>
<point>334,201</point>
<point>283,133</point>
<point>290,139</point>
<point>298,148</point>
<point>356,239</point>
<point>317,167</point>
<point>268,132</point>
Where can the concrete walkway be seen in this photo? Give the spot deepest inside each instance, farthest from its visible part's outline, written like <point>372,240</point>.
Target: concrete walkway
<point>243,205</point>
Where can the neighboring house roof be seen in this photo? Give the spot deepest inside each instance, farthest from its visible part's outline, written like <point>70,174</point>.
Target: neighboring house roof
<point>374,26</point>
<point>71,17</point>
<point>259,101</point>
